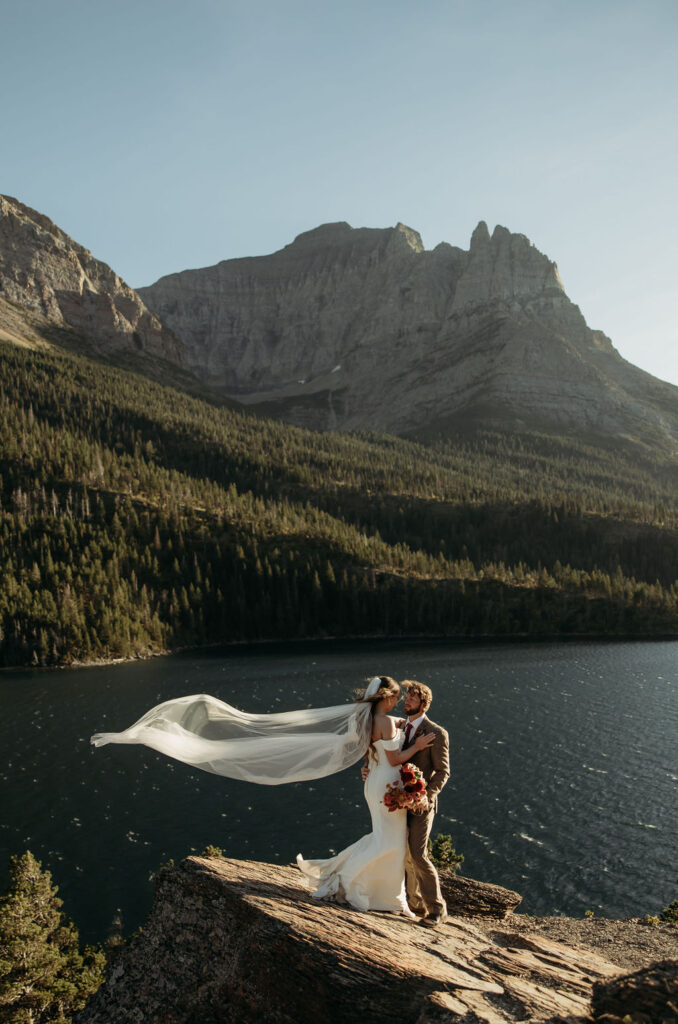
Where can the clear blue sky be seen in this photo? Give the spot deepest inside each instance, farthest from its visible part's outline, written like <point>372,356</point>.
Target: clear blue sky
<point>164,134</point>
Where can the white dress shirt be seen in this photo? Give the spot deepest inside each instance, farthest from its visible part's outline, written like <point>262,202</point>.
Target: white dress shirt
<point>414,725</point>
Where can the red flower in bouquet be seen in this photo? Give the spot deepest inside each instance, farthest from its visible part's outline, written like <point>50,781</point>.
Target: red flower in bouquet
<point>410,793</point>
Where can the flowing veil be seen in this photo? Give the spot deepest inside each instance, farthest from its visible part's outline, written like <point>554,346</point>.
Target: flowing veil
<point>268,749</point>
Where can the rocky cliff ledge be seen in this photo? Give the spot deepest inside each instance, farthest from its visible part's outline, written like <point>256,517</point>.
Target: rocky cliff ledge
<point>235,941</point>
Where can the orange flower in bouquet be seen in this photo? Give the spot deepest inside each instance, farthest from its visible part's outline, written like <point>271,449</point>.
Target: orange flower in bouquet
<point>410,793</point>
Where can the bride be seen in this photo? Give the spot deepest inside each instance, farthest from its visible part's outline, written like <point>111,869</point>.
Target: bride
<point>370,874</point>
<point>296,746</point>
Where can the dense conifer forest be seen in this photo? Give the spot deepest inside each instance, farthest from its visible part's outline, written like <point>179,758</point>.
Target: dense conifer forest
<point>137,519</point>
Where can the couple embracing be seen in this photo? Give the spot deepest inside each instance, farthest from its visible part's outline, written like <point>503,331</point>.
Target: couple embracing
<point>311,743</point>
<point>389,869</point>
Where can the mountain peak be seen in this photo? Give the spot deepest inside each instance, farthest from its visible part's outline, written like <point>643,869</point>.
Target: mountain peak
<point>480,236</point>
<point>412,237</point>
<point>331,233</point>
<point>501,234</point>
<point>506,267</point>
<point>339,234</point>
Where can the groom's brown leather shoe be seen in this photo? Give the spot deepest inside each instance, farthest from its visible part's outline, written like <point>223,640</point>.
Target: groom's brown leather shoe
<point>433,920</point>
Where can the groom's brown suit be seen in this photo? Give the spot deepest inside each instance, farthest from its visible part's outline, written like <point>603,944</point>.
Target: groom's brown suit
<point>423,884</point>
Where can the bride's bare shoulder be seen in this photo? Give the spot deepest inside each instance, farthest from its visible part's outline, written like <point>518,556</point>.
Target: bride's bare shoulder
<point>384,727</point>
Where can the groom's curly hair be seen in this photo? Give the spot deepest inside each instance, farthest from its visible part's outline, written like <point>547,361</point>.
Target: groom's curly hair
<point>420,690</point>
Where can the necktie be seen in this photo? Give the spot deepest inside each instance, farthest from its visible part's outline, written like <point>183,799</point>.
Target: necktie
<point>408,729</point>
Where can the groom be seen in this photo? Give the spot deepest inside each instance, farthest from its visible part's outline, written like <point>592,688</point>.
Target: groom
<point>423,885</point>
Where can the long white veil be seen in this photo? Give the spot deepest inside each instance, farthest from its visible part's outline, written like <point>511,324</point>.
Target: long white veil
<point>269,749</point>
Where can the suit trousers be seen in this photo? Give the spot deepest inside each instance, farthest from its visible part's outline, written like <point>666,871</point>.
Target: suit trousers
<point>423,884</point>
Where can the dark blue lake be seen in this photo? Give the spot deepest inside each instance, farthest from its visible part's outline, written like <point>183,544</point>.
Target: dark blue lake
<point>564,771</point>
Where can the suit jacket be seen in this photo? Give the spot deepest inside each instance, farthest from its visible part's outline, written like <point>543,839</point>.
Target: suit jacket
<point>434,761</point>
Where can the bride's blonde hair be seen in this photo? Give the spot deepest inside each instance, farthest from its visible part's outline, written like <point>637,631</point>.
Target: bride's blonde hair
<point>388,687</point>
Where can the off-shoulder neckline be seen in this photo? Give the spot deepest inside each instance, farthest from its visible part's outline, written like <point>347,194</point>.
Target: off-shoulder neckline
<point>380,740</point>
<point>393,719</point>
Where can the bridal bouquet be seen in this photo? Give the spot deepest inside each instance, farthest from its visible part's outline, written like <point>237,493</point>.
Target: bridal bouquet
<point>410,793</point>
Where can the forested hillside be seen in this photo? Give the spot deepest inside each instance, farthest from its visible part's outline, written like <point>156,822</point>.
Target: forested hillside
<point>137,519</point>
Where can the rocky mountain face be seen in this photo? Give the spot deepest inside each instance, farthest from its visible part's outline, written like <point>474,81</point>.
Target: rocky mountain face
<point>348,329</point>
<point>45,272</point>
<point>363,328</point>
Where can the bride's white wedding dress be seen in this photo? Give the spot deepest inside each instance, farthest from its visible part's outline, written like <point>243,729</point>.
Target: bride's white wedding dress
<point>369,874</point>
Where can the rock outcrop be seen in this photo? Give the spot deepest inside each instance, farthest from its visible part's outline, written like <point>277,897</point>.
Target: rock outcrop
<point>467,898</point>
<point>44,271</point>
<point>645,996</point>
<point>235,941</point>
<point>363,328</point>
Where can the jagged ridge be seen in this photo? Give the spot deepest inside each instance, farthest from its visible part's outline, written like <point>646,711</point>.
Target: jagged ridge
<point>354,328</point>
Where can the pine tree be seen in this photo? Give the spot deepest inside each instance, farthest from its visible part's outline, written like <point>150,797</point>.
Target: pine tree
<point>43,975</point>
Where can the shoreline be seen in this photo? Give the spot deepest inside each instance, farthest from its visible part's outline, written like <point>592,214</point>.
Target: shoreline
<point>308,642</point>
